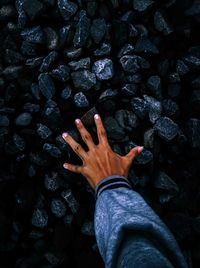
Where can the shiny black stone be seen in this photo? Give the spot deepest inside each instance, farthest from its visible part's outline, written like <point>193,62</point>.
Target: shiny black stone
<point>103,69</point>
<point>46,85</point>
<point>33,35</point>
<point>98,30</point>
<point>82,30</point>
<point>83,79</point>
<point>23,119</point>
<point>67,8</point>
<point>166,128</point>
<point>61,73</point>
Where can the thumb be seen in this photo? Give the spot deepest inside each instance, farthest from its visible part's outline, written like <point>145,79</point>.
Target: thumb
<point>134,152</point>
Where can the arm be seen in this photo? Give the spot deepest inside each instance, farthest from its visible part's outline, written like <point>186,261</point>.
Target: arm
<point>128,232</point>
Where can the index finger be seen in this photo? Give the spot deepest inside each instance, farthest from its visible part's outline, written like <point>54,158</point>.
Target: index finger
<point>101,132</point>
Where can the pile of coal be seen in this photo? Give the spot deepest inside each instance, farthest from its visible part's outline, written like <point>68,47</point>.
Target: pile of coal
<point>137,64</point>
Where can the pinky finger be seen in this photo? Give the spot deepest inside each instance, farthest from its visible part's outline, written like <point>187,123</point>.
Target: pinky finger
<point>73,168</point>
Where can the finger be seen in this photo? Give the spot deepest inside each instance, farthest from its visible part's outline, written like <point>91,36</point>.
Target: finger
<point>133,153</point>
<point>84,133</point>
<point>101,132</point>
<point>76,147</point>
<point>73,168</point>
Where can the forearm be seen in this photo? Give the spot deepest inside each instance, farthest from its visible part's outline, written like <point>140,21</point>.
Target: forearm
<point>120,210</point>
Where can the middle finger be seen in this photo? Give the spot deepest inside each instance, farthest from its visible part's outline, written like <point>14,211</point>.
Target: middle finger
<point>76,147</point>
<point>84,133</point>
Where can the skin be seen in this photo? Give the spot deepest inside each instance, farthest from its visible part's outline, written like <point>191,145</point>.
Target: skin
<point>100,160</point>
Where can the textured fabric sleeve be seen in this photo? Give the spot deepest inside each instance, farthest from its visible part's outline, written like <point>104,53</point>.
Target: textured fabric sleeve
<point>128,232</point>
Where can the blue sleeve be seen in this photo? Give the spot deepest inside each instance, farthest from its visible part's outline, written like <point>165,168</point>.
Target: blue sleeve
<point>128,232</point>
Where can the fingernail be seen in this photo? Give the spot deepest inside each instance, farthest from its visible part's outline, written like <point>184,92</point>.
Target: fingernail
<point>65,165</point>
<point>96,116</point>
<point>77,121</point>
<point>64,135</point>
<point>140,149</point>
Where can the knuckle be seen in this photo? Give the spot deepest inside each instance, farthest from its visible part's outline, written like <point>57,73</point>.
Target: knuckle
<point>87,136</point>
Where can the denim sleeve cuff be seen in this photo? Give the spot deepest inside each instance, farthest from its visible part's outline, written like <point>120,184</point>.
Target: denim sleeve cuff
<point>111,182</point>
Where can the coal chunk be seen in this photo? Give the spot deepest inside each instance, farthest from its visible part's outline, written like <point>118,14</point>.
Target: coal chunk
<point>170,108</point>
<point>126,119</point>
<point>62,73</point>
<point>181,67</point>
<point>39,218</point>
<point>12,72</point>
<point>73,53</point>
<point>83,79</point>
<point>142,5</point>
<point>82,30</point>
<point>23,119</point>
<point>130,89</point>
<point>139,107</point>
<point>154,86</point>
<point>161,23</point>
<point>51,38</point>
<point>130,63</point>
<point>43,131</point>
<point>145,45</point>
<point>193,132</point>
<point>13,57</point>
<point>67,8</point>
<point>33,35</point>
<point>98,30</point>
<point>48,61</point>
<point>58,208</point>
<point>52,150</point>
<point>19,142</point>
<point>126,49</point>
<point>103,69</point>
<point>154,108</point>
<point>81,100</point>
<point>104,50</point>
<point>71,201</point>
<point>149,138</point>
<point>166,128</point>
<point>114,131</point>
<point>144,157</point>
<point>33,8</point>
<point>4,121</point>
<point>46,85</point>
<point>81,64</point>
<point>164,182</point>
<point>51,116</point>
<point>51,182</point>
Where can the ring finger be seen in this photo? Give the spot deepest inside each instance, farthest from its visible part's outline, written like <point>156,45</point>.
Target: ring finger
<point>76,147</point>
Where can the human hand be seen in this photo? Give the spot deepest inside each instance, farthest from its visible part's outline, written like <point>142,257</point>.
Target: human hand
<point>99,161</point>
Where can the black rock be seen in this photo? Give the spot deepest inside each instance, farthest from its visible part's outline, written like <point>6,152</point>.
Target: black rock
<point>181,67</point>
<point>154,108</point>
<point>103,69</point>
<point>149,138</point>
<point>145,45</point>
<point>104,50</point>
<point>114,131</point>
<point>193,132</point>
<point>108,94</point>
<point>170,108</point>
<point>139,107</point>
<point>81,100</point>
<point>58,208</point>
<point>144,157</point>
<point>130,89</point>
<point>82,30</point>
<point>98,30</point>
<point>23,119</point>
<point>52,150</point>
<point>73,53</point>
<point>164,182</point>
<point>83,79</point>
<point>166,128</point>
<point>63,34</point>
<point>81,64</point>
<point>35,91</point>
<point>51,38</point>
<point>161,23</point>
<point>62,73</point>
<point>46,85</point>
<point>71,201</point>
<point>51,116</point>
<point>48,61</point>
<point>4,121</point>
<point>66,93</point>
<point>33,8</point>
<point>33,35</point>
<point>31,107</point>
<point>126,119</point>
<point>19,142</point>
<point>13,57</point>
<point>174,90</point>
<point>39,218</point>
<point>34,62</point>
<point>28,48</point>
<point>174,77</point>
<point>22,18</point>
<point>51,182</point>
<point>192,62</point>
<point>154,86</point>
<point>67,8</point>
<point>142,5</point>
<point>126,49</point>
<point>88,228</point>
<point>12,72</point>
<point>130,63</point>
<point>43,131</point>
